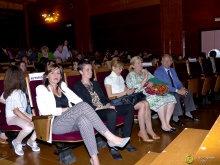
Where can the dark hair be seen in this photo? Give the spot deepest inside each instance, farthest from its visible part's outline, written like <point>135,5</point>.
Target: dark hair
<point>48,70</point>
<point>202,54</point>
<point>212,53</point>
<point>19,63</point>
<point>97,62</point>
<point>82,64</point>
<point>14,79</point>
<point>29,50</point>
<point>25,56</point>
<point>74,60</point>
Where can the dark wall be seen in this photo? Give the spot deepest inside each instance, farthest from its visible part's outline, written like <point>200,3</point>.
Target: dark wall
<point>197,16</point>
<point>52,34</point>
<point>12,33</point>
<point>133,30</point>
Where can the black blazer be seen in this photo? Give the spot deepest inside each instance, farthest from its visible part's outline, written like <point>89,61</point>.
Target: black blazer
<point>80,90</point>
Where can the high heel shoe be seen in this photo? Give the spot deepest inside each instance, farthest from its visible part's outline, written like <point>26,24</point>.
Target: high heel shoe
<point>155,137</point>
<point>144,138</point>
<point>123,143</point>
<point>168,131</point>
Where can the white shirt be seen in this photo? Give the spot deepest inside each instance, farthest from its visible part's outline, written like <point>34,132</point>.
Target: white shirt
<point>117,82</point>
<point>16,100</point>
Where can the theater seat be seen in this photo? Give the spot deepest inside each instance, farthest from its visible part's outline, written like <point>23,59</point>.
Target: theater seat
<point>64,142</point>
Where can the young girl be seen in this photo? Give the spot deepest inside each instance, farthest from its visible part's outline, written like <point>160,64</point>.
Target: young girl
<point>16,104</point>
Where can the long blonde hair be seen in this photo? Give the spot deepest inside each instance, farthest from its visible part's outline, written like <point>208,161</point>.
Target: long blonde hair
<point>133,60</point>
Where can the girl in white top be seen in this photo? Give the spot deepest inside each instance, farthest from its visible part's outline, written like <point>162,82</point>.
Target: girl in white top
<point>16,104</point>
<point>115,86</point>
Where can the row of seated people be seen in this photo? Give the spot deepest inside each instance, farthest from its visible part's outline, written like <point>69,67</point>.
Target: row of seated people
<point>126,110</point>
<point>67,118</point>
<point>138,62</point>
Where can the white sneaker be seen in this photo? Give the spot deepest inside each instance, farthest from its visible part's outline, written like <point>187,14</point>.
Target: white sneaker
<point>18,148</point>
<point>33,145</point>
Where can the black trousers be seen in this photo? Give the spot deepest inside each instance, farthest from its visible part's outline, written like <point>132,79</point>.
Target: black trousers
<point>110,116</point>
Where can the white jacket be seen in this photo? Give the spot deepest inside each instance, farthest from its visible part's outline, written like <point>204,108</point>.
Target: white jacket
<point>46,101</point>
<point>47,104</point>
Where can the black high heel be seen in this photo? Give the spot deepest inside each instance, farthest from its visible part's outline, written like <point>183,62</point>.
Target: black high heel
<point>168,131</point>
<point>174,129</point>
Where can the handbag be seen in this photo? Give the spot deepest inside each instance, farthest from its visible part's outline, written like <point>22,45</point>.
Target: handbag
<point>42,126</point>
<point>132,99</point>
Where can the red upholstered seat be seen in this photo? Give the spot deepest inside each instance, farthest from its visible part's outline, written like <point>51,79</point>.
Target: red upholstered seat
<point>100,77</point>
<point>71,78</point>
<point>124,73</point>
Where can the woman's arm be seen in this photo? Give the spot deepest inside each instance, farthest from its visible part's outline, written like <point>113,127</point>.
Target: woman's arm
<point>132,83</point>
<point>108,89</point>
<point>72,97</point>
<point>2,100</point>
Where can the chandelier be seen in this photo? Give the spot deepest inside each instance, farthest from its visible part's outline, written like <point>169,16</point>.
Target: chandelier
<point>50,17</point>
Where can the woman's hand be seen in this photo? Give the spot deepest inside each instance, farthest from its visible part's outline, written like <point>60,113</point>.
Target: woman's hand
<point>145,73</point>
<point>64,109</point>
<point>107,105</point>
<point>110,106</point>
<point>150,84</point>
<point>129,91</point>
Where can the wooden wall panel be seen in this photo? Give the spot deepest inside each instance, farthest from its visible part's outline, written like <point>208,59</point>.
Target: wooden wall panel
<point>107,6</point>
<point>171,27</point>
<point>198,15</point>
<point>132,30</point>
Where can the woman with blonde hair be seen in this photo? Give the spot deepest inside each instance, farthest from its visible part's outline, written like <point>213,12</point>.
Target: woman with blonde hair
<point>115,87</point>
<point>45,54</point>
<point>163,105</point>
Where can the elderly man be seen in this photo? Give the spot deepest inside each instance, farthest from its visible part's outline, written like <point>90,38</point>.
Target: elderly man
<point>61,53</point>
<point>167,74</point>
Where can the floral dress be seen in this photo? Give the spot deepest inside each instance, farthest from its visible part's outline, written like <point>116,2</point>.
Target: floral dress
<point>133,80</point>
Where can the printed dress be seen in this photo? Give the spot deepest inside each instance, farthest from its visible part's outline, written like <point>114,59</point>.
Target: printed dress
<point>133,80</point>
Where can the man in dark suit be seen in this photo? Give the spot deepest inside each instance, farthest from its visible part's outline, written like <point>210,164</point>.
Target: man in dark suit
<point>167,74</point>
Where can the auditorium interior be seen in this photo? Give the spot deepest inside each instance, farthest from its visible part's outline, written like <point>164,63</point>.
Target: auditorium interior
<point>181,28</point>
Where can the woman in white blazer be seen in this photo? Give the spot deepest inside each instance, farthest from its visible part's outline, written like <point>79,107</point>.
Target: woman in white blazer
<point>54,97</point>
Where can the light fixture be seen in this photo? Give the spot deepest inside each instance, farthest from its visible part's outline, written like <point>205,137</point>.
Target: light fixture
<point>50,17</point>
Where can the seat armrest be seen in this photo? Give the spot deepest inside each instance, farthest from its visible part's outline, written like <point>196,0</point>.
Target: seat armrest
<point>113,98</point>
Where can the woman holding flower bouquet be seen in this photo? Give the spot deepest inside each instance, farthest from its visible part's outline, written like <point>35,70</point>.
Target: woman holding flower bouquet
<point>162,103</point>
<point>115,87</point>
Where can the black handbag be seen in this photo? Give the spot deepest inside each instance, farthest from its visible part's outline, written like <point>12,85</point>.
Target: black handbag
<point>132,99</point>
